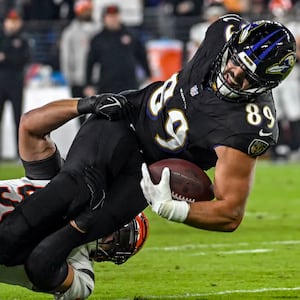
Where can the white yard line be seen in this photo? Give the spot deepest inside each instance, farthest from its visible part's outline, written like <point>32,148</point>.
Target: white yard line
<point>234,252</point>
<point>255,291</point>
<point>212,245</point>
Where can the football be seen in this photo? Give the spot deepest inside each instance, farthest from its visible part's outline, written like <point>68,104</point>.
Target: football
<point>188,182</point>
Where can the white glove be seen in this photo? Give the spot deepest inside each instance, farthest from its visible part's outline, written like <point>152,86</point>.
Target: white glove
<point>159,197</point>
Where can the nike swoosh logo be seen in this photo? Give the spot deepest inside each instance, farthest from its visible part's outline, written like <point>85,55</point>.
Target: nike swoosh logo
<point>262,133</point>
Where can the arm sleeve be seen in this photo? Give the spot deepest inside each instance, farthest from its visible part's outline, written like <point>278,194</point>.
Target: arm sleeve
<point>43,169</point>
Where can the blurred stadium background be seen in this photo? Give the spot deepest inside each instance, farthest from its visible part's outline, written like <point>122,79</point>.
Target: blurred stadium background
<point>164,32</point>
<point>258,261</point>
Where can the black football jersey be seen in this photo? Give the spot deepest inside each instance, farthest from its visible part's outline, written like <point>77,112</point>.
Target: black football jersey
<point>182,117</point>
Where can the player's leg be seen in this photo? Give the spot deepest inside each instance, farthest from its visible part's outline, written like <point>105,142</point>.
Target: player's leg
<point>47,208</point>
<point>91,155</point>
<point>58,247</point>
<point>120,156</point>
<point>20,230</point>
<point>125,198</point>
<point>105,146</point>
<point>77,276</point>
<point>123,202</point>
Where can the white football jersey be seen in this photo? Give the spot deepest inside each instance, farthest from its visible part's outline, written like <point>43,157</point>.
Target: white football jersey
<point>12,192</point>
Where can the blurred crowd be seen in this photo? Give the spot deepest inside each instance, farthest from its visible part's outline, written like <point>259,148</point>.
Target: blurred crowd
<point>95,46</point>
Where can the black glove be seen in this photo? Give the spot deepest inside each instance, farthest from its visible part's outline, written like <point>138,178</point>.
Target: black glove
<point>109,106</point>
<point>97,196</point>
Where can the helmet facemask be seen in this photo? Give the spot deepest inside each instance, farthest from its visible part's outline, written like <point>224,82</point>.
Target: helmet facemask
<point>123,243</point>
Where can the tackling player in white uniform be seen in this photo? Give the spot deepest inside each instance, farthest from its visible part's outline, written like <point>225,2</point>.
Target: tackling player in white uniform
<point>42,161</point>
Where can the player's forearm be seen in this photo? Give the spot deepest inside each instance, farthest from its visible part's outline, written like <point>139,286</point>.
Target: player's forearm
<point>82,284</point>
<point>214,215</point>
<point>35,126</point>
<point>81,288</point>
<point>42,120</point>
<point>232,184</point>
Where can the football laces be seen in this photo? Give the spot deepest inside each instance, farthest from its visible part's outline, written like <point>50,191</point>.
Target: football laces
<point>178,197</point>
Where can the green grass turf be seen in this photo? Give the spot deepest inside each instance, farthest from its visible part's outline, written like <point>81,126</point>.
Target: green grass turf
<point>10,170</point>
<point>258,261</point>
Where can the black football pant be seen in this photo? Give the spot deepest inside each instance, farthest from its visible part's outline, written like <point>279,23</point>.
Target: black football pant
<point>59,244</point>
<point>111,149</point>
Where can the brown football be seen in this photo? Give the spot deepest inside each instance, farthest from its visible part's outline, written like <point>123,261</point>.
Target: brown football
<point>188,181</point>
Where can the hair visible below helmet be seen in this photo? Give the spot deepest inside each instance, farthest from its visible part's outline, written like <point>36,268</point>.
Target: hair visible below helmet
<point>266,50</point>
<point>123,243</point>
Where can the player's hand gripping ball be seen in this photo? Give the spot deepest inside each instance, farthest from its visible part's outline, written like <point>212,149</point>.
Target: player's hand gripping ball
<point>170,185</point>
<point>188,182</point>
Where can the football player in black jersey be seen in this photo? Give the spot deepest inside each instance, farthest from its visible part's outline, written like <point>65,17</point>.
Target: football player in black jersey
<point>42,161</point>
<point>217,111</point>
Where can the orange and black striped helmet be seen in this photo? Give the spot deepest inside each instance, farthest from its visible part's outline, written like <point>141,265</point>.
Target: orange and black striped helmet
<point>123,243</point>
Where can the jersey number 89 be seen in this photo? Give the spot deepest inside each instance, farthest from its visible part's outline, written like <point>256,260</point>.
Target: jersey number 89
<point>176,125</point>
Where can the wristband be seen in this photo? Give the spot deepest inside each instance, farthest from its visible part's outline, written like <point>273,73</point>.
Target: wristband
<point>85,105</point>
<point>174,210</point>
